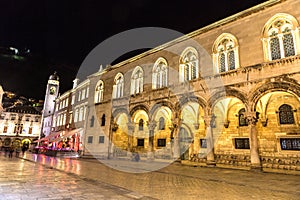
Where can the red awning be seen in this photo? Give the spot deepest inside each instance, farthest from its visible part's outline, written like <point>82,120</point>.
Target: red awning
<point>67,134</point>
<point>49,137</point>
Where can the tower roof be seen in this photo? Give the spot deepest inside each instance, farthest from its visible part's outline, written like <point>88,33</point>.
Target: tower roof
<point>54,76</point>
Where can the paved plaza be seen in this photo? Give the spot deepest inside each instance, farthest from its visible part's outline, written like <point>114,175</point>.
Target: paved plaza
<point>48,178</point>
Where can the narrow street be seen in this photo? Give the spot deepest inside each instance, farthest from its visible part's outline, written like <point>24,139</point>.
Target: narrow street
<point>41,177</point>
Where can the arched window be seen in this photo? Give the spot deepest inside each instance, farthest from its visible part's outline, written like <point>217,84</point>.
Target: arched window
<point>225,53</point>
<point>280,36</point>
<point>118,87</point>
<point>141,125</point>
<point>160,74</point>
<point>161,123</point>
<point>137,81</point>
<point>99,89</point>
<point>242,118</point>
<point>103,120</point>
<point>188,69</point>
<point>286,114</point>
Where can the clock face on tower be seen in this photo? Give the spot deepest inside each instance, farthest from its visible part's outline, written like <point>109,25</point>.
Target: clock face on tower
<point>52,90</point>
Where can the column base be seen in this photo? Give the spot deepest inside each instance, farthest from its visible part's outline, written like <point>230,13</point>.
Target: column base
<point>129,154</point>
<point>211,163</point>
<point>150,156</point>
<point>256,168</point>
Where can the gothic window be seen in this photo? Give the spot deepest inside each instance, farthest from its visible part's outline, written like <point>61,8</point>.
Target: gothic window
<point>189,69</point>
<point>141,125</point>
<point>279,37</point>
<point>160,74</point>
<point>286,114</point>
<point>99,92</point>
<point>242,118</point>
<point>225,53</point>
<point>137,81</point>
<point>222,63</point>
<point>118,87</point>
<point>161,123</point>
<point>103,120</point>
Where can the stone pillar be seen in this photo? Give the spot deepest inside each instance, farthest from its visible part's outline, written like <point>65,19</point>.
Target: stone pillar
<point>113,128</point>
<point>130,128</point>
<point>210,155</point>
<point>151,127</point>
<point>254,154</point>
<point>175,149</point>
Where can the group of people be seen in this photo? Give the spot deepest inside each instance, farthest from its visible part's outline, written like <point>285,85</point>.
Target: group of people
<point>10,150</point>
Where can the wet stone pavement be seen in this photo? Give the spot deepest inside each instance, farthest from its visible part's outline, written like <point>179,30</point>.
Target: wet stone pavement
<point>41,177</point>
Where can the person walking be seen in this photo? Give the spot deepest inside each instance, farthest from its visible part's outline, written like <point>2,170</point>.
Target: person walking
<point>23,150</point>
<point>11,151</point>
<point>18,149</point>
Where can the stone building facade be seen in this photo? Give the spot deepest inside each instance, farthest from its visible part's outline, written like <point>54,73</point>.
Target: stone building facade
<point>226,93</point>
<point>19,126</point>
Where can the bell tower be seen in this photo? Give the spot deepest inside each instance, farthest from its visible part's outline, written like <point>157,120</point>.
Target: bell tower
<point>51,94</point>
<point>49,104</point>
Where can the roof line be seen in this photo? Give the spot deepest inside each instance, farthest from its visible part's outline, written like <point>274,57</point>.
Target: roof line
<point>222,22</point>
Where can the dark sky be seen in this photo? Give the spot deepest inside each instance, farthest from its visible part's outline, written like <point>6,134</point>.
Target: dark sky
<point>61,33</point>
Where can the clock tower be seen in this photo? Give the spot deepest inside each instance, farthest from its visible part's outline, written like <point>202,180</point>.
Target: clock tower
<point>51,94</point>
<point>49,104</point>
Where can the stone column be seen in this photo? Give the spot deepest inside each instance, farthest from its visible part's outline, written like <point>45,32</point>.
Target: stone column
<point>113,128</point>
<point>130,128</point>
<point>209,120</point>
<point>175,149</point>
<point>255,158</point>
<point>151,127</point>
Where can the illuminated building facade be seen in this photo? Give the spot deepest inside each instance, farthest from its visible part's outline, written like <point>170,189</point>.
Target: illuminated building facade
<point>227,93</point>
<point>19,126</point>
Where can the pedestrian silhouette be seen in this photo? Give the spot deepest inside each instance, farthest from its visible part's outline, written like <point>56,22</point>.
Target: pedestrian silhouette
<point>23,150</point>
<point>11,151</point>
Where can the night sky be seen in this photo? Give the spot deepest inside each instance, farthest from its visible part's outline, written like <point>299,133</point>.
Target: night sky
<point>61,33</point>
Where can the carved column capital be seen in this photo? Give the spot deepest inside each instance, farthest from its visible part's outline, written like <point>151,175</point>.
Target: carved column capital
<point>151,125</point>
<point>209,120</point>
<point>251,118</point>
<point>130,126</point>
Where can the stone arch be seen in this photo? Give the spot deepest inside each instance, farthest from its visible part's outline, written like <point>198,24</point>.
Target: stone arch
<point>159,104</point>
<point>184,100</point>
<point>279,16</point>
<point>119,111</point>
<point>225,93</point>
<point>265,88</point>
<point>139,107</point>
